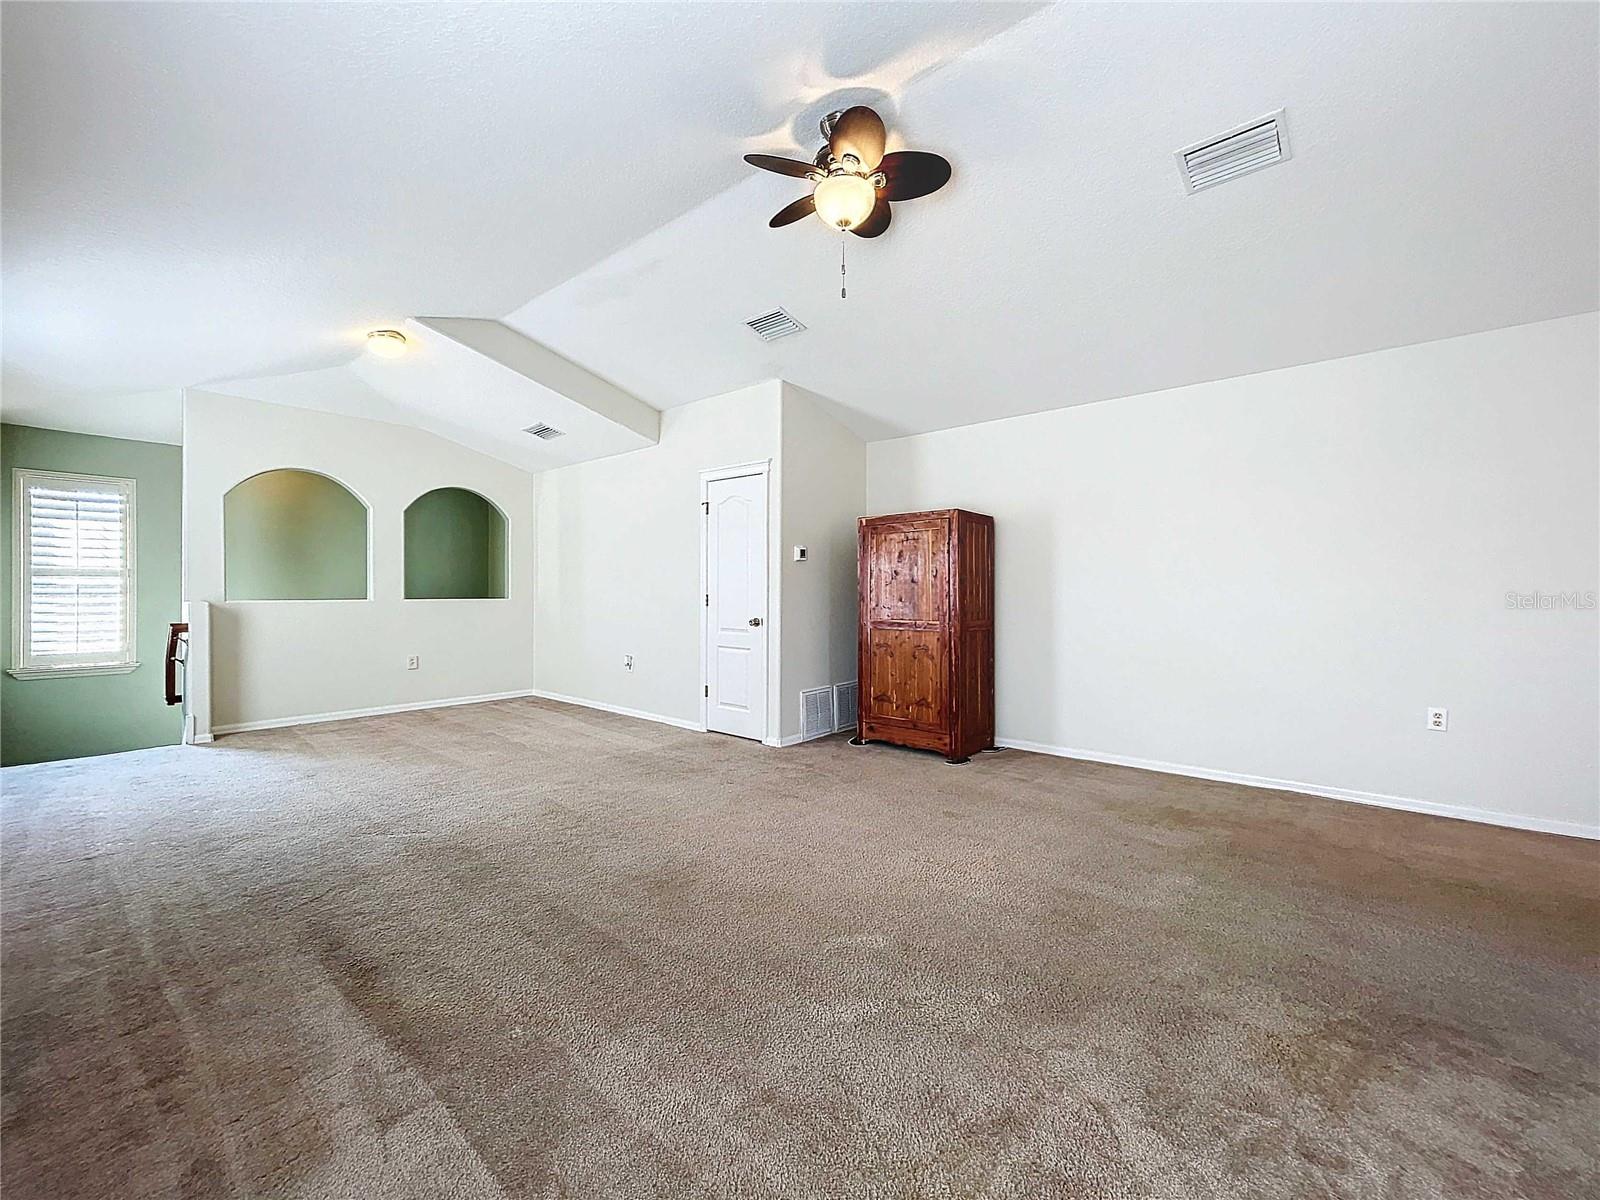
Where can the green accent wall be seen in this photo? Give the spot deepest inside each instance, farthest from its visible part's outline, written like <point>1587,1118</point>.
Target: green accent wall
<point>455,547</point>
<point>293,535</point>
<point>46,719</point>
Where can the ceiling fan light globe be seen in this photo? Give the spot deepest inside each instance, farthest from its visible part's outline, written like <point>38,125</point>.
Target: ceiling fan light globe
<point>386,343</point>
<point>844,201</point>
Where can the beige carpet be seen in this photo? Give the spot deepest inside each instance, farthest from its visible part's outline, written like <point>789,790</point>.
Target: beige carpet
<point>529,950</point>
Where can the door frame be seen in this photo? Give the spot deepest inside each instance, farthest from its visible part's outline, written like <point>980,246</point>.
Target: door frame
<point>763,468</point>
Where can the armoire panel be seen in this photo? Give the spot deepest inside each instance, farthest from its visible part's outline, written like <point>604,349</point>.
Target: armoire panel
<point>907,676</point>
<point>974,572</point>
<point>907,580</point>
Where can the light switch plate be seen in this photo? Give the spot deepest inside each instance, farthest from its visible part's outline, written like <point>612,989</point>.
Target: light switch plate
<point>800,554</point>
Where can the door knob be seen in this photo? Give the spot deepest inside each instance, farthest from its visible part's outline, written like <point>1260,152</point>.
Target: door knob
<point>755,620</point>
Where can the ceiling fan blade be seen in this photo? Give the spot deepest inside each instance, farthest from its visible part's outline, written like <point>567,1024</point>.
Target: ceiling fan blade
<point>911,173</point>
<point>876,223</point>
<point>859,131</point>
<point>783,166</point>
<point>791,213</point>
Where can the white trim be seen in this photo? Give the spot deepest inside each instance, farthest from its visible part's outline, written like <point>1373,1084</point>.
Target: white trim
<point>1376,799</point>
<point>637,713</point>
<point>763,468</point>
<point>71,672</point>
<point>197,673</point>
<point>24,664</point>
<point>351,714</point>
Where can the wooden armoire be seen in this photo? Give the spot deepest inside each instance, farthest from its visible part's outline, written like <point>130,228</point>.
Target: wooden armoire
<point>927,631</point>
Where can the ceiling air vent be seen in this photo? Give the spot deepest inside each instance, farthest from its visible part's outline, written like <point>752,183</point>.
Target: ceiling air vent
<point>545,432</point>
<point>1263,142</point>
<point>773,325</point>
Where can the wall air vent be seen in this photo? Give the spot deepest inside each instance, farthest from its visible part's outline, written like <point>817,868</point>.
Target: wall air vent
<point>545,432</point>
<point>770,326</point>
<point>844,705</point>
<point>816,713</point>
<point>1252,146</point>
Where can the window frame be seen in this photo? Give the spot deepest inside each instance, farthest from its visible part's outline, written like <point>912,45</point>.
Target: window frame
<point>26,665</point>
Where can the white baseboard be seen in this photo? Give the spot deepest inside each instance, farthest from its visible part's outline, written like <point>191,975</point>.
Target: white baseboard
<point>1377,799</point>
<point>676,722</point>
<point>352,714</point>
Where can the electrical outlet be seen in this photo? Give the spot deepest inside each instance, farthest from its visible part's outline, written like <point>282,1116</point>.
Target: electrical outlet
<point>1438,719</point>
<point>627,662</point>
<point>413,662</point>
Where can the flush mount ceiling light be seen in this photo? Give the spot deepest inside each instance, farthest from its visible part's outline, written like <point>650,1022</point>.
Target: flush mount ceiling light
<point>386,343</point>
<point>853,179</point>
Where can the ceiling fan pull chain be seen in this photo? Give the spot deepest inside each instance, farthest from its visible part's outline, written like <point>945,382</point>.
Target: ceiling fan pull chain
<point>842,244</point>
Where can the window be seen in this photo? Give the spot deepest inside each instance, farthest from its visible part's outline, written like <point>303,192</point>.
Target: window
<point>74,570</point>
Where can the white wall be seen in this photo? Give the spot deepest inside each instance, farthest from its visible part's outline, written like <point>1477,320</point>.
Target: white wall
<point>824,491</point>
<point>273,661</point>
<point>1275,576</point>
<point>619,560</point>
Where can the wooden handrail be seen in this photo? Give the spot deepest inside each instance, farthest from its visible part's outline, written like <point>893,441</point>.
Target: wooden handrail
<point>177,631</point>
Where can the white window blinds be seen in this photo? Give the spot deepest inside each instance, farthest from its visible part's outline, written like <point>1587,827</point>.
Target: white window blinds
<point>75,571</point>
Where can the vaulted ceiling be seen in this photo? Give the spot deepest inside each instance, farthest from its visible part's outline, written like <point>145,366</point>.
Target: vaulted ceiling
<point>196,192</point>
<point>203,193</point>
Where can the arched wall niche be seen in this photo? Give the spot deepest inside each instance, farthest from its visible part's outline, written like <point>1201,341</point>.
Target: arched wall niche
<point>455,547</point>
<point>292,534</point>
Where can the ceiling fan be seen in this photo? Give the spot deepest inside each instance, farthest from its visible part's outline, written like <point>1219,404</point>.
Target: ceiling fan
<point>854,180</point>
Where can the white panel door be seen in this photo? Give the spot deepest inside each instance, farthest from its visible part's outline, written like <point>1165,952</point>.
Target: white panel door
<point>736,599</point>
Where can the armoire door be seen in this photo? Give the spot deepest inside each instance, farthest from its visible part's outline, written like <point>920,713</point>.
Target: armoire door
<point>905,609</point>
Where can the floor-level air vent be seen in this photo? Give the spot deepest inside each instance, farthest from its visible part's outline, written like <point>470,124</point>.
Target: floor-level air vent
<point>771,326</point>
<point>844,705</point>
<point>816,713</point>
<point>1254,145</point>
<point>546,432</point>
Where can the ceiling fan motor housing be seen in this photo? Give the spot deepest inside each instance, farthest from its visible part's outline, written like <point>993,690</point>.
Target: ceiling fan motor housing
<point>852,157</point>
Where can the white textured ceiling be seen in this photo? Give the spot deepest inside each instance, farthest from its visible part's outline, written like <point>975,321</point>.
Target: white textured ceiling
<point>195,194</point>
<point>198,192</point>
<point>1444,180</point>
<point>461,386</point>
